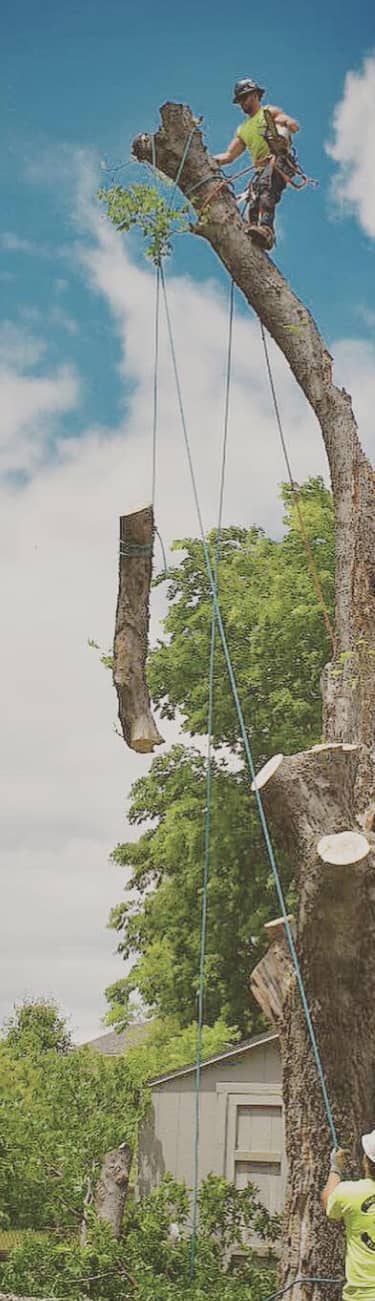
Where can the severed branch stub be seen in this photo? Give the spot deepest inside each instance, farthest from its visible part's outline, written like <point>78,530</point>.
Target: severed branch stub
<point>131,631</point>
<point>344,848</point>
<point>112,1187</point>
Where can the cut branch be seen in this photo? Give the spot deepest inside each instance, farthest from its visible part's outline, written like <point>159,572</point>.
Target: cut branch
<point>131,631</point>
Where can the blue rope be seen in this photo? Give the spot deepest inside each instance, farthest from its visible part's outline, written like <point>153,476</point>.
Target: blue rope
<point>245,739</point>
<point>155,381</point>
<point>338,1282</point>
<point>208,815</point>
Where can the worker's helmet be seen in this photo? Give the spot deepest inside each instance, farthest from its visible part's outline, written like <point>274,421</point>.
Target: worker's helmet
<point>245,87</point>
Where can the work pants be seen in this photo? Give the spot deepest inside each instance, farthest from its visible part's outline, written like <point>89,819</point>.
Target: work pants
<point>264,193</point>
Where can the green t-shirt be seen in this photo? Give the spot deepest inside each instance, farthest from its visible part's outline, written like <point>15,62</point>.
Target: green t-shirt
<point>354,1203</point>
<point>251,133</point>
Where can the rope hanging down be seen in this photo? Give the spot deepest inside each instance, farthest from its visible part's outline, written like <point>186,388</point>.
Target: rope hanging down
<point>296,497</point>
<point>245,739</point>
<point>207,830</point>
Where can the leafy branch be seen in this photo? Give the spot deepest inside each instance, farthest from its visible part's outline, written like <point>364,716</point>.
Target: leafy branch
<point>144,207</point>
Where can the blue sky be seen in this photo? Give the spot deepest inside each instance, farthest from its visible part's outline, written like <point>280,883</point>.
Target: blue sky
<point>91,75</point>
<point>76,381</point>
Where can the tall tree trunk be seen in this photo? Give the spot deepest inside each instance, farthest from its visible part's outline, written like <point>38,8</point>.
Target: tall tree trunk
<point>330,790</point>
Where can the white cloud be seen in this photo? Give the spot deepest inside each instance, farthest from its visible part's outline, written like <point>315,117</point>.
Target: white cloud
<point>352,147</point>
<point>65,774</point>
<point>15,244</point>
<point>29,407</point>
<point>19,348</point>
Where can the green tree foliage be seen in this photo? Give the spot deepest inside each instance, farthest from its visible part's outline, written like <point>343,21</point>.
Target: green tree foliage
<point>59,1114</point>
<point>35,1027</point>
<point>145,208</point>
<point>279,645</point>
<point>274,625</point>
<point>148,1262</point>
<point>159,920</point>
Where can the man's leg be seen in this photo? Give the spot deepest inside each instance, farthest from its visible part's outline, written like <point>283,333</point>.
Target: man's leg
<point>271,186</point>
<point>253,198</point>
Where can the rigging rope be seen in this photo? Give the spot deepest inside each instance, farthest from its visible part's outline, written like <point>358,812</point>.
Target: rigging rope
<point>209,783</point>
<point>245,739</point>
<point>297,498</point>
<point>155,381</point>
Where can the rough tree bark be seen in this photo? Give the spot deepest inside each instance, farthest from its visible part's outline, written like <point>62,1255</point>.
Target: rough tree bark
<point>112,1187</point>
<point>329,790</point>
<point>131,631</point>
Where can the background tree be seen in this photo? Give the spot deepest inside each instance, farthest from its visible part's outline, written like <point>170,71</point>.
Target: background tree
<point>36,1026</point>
<point>270,608</point>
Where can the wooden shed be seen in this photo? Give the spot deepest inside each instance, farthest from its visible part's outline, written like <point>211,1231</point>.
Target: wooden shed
<point>241,1122</point>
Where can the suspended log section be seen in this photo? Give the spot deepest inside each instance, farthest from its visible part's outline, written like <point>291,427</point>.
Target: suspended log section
<point>131,631</point>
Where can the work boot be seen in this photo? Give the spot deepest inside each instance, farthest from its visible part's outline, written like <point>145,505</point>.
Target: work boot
<point>262,235</point>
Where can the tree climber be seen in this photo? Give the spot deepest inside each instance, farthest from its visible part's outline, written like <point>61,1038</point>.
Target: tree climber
<point>354,1203</point>
<point>264,126</point>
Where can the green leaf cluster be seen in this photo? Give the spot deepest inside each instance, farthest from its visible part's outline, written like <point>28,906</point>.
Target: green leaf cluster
<point>144,207</point>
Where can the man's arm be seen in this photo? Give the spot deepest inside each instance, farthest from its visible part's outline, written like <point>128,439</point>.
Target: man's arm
<point>337,1167</point>
<point>283,119</point>
<point>233,151</point>
<point>332,1182</point>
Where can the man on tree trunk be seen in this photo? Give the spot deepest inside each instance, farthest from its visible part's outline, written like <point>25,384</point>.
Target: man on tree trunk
<point>354,1203</point>
<point>271,176</point>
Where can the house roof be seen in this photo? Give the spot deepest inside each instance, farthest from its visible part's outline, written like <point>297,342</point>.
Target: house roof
<point>114,1044</point>
<point>236,1051</point>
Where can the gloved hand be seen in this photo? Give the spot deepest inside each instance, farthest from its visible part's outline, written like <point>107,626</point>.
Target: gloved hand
<point>337,1161</point>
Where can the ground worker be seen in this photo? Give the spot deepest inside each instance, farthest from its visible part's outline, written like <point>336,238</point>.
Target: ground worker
<point>354,1203</point>
<point>271,178</point>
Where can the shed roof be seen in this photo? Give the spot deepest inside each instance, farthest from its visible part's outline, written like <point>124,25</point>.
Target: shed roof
<point>115,1043</point>
<point>235,1051</point>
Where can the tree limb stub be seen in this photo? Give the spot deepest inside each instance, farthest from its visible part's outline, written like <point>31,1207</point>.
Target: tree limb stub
<point>310,795</point>
<point>131,631</point>
<point>270,980</point>
<point>344,849</point>
<point>349,695</point>
<point>112,1187</point>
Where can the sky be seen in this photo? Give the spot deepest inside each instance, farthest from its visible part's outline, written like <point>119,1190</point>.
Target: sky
<point>76,357</point>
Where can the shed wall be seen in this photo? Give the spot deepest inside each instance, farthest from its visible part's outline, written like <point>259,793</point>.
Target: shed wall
<point>167,1139</point>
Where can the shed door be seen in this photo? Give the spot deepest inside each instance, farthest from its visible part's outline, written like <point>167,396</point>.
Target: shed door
<point>254,1143</point>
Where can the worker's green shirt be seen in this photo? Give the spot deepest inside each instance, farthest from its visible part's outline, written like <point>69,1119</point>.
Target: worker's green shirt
<point>251,133</point>
<point>354,1203</point>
